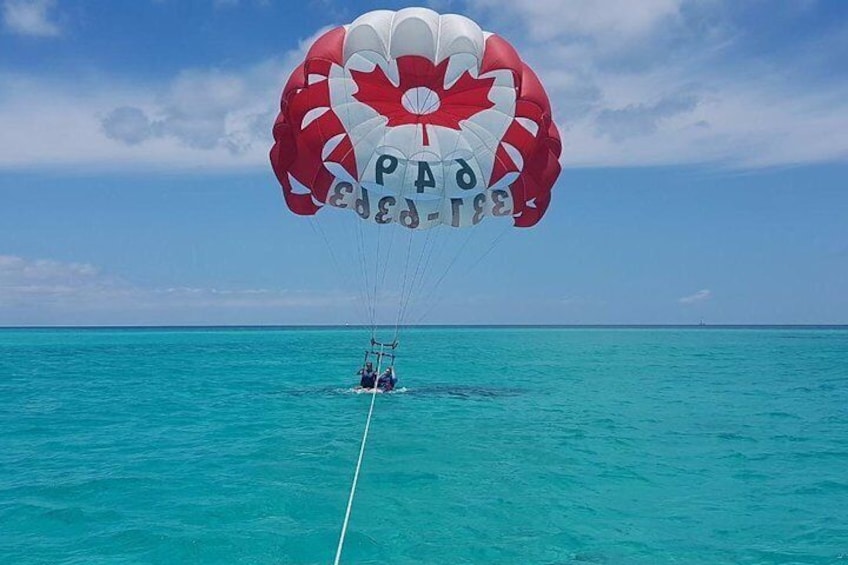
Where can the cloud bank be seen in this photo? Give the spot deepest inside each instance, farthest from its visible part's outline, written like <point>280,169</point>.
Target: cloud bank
<point>650,83</point>
<point>668,82</point>
<point>199,119</point>
<point>36,291</point>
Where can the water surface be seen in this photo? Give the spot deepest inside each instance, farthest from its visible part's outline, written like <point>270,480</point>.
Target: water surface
<point>509,445</point>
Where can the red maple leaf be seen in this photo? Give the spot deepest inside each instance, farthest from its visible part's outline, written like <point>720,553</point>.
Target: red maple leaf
<point>421,96</point>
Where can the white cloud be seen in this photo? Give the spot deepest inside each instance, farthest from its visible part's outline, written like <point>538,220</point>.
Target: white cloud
<point>666,82</point>
<point>638,120</point>
<point>204,110</point>
<point>30,17</point>
<point>657,82</point>
<point>45,289</point>
<point>228,4</point>
<point>611,20</point>
<point>721,120</point>
<point>700,296</point>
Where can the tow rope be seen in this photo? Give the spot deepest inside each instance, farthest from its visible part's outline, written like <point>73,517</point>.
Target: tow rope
<point>358,466</point>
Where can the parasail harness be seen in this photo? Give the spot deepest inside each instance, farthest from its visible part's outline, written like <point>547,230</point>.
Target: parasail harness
<point>381,353</point>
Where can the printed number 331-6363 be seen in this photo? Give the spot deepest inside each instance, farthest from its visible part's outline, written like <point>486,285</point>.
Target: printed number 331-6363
<point>409,217</point>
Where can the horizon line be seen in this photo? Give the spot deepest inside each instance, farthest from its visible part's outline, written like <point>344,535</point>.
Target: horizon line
<point>424,326</point>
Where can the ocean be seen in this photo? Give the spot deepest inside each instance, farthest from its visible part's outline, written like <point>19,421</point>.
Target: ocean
<point>505,446</point>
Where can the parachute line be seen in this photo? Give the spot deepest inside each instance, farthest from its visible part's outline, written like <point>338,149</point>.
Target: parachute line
<point>318,229</point>
<point>403,286</point>
<point>435,288</point>
<point>413,284</point>
<point>363,265</point>
<point>377,276</point>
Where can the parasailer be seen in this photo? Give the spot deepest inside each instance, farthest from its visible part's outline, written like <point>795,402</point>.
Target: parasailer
<point>368,377</point>
<point>388,380</point>
<point>419,120</point>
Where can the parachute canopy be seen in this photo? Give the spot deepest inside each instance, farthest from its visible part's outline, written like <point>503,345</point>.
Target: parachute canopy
<point>419,119</point>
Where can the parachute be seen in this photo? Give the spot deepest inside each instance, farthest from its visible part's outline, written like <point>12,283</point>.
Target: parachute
<point>415,119</point>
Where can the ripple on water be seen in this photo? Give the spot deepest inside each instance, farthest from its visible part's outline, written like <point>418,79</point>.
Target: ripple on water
<point>605,446</point>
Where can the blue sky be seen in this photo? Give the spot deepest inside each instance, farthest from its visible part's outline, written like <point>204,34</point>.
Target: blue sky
<point>704,167</point>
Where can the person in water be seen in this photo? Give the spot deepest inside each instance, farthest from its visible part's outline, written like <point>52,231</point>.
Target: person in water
<point>368,376</point>
<point>387,380</point>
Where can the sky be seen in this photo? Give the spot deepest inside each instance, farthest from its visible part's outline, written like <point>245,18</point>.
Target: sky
<point>705,168</point>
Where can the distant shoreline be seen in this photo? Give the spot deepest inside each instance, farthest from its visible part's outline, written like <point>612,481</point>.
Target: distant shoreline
<point>440,326</point>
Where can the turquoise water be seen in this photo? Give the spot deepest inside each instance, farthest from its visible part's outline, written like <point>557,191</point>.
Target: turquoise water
<point>525,446</point>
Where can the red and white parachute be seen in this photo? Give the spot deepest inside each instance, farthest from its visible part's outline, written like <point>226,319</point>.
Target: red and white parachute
<point>417,119</point>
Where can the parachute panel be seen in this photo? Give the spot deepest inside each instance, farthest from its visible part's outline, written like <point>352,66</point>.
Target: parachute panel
<point>416,119</point>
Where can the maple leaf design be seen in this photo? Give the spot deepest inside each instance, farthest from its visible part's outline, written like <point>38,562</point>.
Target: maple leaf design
<point>421,96</point>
